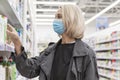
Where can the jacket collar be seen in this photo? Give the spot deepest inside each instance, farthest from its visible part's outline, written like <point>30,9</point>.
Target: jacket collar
<point>52,47</point>
<point>80,49</point>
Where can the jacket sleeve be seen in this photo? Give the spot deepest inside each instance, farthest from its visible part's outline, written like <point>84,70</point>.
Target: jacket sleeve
<point>29,68</point>
<point>91,72</point>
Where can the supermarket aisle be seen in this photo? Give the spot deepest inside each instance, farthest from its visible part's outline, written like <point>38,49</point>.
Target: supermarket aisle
<point>32,19</point>
<point>17,14</point>
<point>107,52</point>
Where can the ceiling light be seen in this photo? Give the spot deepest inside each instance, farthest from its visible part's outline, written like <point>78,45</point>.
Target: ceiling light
<point>54,3</point>
<point>114,23</point>
<point>43,15</point>
<point>47,10</point>
<point>102,12</point>
<point>41,20</point>
<point>43,24</point>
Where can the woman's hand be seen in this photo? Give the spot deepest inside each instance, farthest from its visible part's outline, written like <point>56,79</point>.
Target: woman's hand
<point>12,33</point>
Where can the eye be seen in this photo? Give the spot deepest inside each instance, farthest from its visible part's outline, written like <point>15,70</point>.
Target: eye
<point>59,16</point>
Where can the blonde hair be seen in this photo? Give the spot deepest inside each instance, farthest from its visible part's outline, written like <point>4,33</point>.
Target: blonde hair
<point>73,20</point>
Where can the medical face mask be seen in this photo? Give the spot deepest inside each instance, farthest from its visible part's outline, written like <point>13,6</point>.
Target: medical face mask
<point>58,26</point>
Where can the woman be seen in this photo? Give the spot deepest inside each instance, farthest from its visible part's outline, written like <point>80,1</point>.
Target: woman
<point>69,59</point>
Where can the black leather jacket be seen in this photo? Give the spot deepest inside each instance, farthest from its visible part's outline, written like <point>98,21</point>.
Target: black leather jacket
<point>83,65</point>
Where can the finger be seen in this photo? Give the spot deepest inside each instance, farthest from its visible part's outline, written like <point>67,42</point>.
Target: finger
<point>9,32</point>
<point>9,36</point>
<point>10,28</point>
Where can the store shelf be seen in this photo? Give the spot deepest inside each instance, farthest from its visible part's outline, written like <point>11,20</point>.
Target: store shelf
<point>107,49</point>
<point>110,40</point>
<point>6,47</point>
<point>29,37</point>
<point>7,10</point>
<point>28,34</point>
<point>108,76</point>
<point>5,50</point>
<point>106,58</point>
<point>108,67</point>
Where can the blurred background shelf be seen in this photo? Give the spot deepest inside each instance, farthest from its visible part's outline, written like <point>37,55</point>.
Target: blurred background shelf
<point>109,40</point>
<point>5,50</point>
<point>8,10</point>
<point>109,67</point>
<point>6,47</point>
<point>108,76</point>
<point>108,58</point>
<point>107,49</point>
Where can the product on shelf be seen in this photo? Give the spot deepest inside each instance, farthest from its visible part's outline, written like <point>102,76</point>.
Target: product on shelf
<point>3,27</point>
<point>103,78</point>
<point>116,53</point>
<point>6,44</point>
<point>20,34</point>
<point>4,39</point>
<point>18,7</point>
<point>116,43</point>
<point>2,73</point>
<point>6,63</point>
<point>99,40</point>
<point>108,55</point>
<point>28,44</point>
<point>102,46</point>
<point>13,72</point>
<point>104,54</point>
<point>111,74</point>
<point>28,38</point>
<point>115,34</point>
<point>15,11</point>
<point>91,42</point>
<point>28,27</point>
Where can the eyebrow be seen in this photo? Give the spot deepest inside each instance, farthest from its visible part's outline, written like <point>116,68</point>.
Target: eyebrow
<point>58,14</point>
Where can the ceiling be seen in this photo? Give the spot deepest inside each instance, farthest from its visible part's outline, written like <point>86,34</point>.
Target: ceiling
<point>45,9</point>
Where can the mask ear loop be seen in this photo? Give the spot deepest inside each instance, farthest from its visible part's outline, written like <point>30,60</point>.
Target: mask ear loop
<point>59,36</point>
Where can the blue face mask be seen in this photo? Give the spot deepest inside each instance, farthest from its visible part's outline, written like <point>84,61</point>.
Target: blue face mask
<point>58,26</point>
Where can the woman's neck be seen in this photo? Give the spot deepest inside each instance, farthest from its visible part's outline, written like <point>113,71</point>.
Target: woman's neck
<point>66,39</point>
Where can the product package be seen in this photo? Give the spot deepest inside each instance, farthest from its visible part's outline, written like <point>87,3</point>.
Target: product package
<point>3,27</point>
<point>5,41</point>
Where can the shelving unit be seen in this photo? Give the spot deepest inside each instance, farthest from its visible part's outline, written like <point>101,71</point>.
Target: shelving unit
<point>110,62</point>
<point>108,58</point>
<point>9,11</point>
<point>6,47</point>
<point>5,50</point>
<point>108,76</point>
<point>109,40</point>
<point>107,50</point>
<point>109,67</point>
<point>17,17</point>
